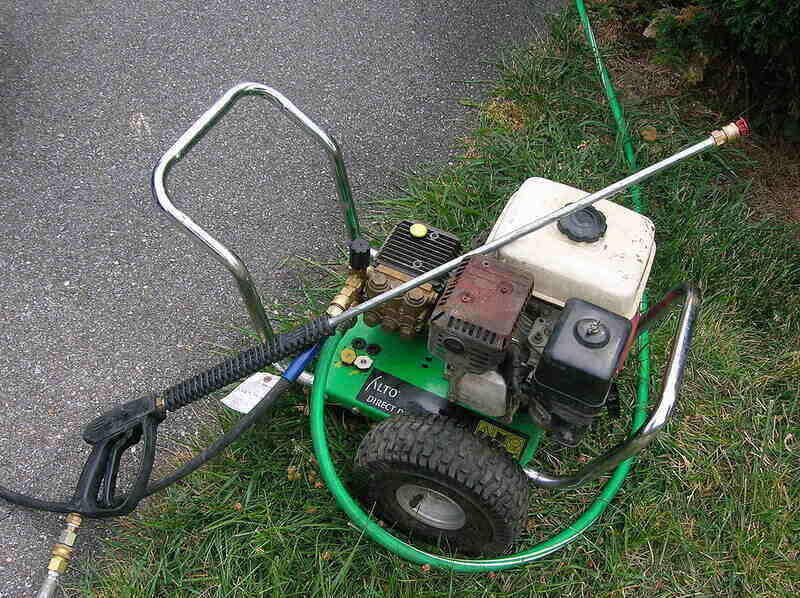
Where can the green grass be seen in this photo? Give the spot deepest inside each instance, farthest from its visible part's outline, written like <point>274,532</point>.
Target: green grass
<point>710,509</point>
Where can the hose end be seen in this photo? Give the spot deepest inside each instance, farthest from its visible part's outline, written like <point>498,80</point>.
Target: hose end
<point>62,553</point>
<point>731,132</point>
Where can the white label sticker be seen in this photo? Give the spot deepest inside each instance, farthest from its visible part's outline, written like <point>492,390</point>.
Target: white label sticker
<point>245,396</point>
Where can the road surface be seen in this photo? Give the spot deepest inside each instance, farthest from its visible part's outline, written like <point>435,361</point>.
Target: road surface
<point>101,301</point>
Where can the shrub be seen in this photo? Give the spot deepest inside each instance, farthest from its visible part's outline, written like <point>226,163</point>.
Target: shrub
<point>747,49</point>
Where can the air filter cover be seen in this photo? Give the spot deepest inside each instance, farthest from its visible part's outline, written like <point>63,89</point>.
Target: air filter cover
<point>581,356</point>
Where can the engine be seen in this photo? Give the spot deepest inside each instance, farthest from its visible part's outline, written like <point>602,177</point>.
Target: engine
<point>471,325</point>
<point>541,325</point>
<point>471,330</point>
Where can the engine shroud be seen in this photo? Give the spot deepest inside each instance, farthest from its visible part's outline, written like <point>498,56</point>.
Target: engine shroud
<point>472,323</point>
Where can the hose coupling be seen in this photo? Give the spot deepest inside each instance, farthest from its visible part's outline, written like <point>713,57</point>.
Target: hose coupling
<point>62,550</point>
<point>349,295</point>
<point>731,132</point>
<point>61,555</point>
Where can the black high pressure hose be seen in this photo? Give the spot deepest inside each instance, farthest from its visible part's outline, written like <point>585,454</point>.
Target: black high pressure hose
<point>122,427</point>
<point>245,363</point>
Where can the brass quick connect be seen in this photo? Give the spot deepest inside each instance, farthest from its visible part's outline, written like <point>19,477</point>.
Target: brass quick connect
<point>60,562</point>
<point>73,519</point>
<point>348,296</point>
<point>62,550</point>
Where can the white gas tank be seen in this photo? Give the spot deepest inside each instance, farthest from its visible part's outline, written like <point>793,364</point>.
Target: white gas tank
<point>610,272</point>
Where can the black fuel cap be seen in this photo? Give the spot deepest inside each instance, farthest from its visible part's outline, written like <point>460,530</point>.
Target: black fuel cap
<point>587,225</point>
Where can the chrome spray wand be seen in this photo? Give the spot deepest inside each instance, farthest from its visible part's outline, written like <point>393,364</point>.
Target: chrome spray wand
<point>728,133</point>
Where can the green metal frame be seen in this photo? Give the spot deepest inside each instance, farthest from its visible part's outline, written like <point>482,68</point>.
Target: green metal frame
<point>363,521</point>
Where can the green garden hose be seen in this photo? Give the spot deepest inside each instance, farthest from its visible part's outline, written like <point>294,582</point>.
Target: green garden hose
<point>363,521</point>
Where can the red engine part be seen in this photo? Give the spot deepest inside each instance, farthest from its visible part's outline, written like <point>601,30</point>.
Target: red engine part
<point>473,320</point>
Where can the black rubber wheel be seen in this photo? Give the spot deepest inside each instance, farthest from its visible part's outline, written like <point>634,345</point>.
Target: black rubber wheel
<point>431,476</point>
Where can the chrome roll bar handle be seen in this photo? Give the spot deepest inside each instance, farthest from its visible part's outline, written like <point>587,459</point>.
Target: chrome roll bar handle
<point>671,384</point>
<point>218,250</point>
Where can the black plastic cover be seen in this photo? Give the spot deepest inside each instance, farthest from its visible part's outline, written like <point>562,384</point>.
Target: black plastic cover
<point>359,254</point>
<point>581,356</point>
<point>416,255</point>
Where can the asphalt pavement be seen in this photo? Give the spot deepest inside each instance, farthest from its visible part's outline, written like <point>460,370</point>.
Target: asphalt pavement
<point>101,300</point>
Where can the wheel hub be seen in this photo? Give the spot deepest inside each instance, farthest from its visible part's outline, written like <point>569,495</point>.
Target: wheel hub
<point>431,507</point>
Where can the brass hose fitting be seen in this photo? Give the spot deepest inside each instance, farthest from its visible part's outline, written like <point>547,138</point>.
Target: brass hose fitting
<point>731,132</point>
<point>349,295</point>
<point>62,553</point>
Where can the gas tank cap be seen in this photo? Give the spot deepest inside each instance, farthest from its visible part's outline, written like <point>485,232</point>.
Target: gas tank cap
<point>586,226</point>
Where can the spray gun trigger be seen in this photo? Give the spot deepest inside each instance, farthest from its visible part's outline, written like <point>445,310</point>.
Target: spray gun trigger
<point>108,483</point>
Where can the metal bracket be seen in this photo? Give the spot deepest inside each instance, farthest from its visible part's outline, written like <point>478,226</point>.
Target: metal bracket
<point>218,250</point>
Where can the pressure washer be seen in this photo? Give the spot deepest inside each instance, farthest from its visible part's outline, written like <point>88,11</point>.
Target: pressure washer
<point>465,358</point>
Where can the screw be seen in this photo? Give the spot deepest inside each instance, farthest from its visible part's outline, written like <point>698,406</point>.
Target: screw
<point>593,328</point>
<point>466,298</point>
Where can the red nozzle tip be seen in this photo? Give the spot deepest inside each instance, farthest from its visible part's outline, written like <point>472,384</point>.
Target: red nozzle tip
<point>744,128</point>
